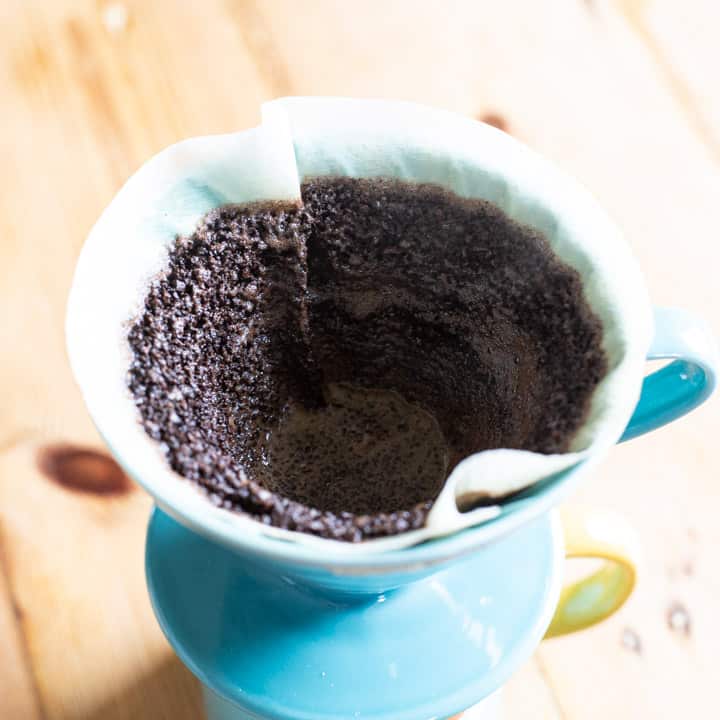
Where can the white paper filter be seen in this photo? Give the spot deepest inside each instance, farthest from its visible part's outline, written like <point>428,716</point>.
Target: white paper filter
<point>303,137</point>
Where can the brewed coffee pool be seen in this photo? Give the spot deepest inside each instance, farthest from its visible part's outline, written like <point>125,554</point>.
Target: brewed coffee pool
<point>324,368</point>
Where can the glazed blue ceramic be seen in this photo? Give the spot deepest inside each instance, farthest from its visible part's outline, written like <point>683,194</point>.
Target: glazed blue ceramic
<point>266,644</point>
<point>686,382</point>
<point>276,630</point>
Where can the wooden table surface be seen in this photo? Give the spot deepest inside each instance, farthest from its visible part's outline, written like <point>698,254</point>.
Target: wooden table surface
<point>623,94</point>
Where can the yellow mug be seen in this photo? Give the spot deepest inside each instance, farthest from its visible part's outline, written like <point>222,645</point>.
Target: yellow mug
<point>595,533</point>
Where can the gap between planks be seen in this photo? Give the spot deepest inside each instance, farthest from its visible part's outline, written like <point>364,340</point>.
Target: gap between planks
<point>633,13</point>
<point>19,693</point>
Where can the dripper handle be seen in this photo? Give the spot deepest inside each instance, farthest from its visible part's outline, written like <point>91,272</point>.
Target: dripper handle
<point>682,385</point>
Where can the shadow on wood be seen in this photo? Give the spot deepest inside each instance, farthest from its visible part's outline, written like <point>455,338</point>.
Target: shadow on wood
<point>168,692</point>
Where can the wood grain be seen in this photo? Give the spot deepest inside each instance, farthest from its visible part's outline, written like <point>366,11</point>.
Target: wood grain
<point>75,564</point>
<point>623,95</point>
<point>18,697</point>
<point>528,696</point>
<point>681,41</point>
<point>82,108</point>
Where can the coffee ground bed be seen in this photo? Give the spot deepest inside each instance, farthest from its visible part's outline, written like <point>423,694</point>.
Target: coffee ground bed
<point>414,327</point>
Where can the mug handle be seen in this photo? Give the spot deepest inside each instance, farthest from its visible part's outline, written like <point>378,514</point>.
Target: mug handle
<point>682,385</point>
<point>600,534</point>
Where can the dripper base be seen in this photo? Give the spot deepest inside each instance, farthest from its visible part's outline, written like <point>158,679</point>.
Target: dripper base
<point>277,651</point>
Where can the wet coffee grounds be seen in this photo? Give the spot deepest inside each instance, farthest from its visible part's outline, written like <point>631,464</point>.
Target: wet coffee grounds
<point>323,368</point>
<point>363,450</point>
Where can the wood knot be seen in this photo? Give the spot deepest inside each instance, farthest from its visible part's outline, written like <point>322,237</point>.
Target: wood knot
<point>82,469</point>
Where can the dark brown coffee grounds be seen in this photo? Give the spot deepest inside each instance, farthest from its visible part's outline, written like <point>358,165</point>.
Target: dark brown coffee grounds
<point>364,451</point>
<point>324,368</point>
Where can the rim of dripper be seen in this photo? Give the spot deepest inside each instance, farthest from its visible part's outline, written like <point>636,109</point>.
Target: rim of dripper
<point>176,494</point>
<point>366,561</point>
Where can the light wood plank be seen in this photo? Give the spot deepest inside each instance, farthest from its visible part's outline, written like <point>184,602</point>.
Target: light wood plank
<point>527,695</point>
<point>75,565</point>
<point>83,106</point>
<point>17,693</point>
<point>681,39</point>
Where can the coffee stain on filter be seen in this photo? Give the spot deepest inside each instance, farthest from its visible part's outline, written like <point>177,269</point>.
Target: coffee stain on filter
<point>82,469</point>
